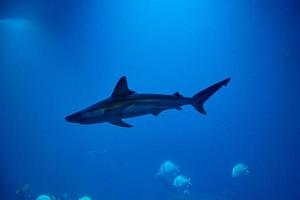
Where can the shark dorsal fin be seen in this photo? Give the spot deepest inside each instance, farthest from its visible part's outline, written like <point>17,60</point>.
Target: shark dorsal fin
<point>122,88</point>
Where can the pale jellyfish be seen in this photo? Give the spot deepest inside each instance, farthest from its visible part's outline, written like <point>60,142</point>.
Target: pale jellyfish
<point>85,198</point>
<point>44,197</point>
<point>182,183</point>
<point>239,170</point>
<point>186,192</point>
<point>168,170</point>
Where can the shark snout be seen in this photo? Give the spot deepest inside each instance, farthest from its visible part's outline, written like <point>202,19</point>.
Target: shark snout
<point>73,118</point>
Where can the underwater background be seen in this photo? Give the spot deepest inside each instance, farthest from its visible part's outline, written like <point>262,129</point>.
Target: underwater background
<point>57,57</point>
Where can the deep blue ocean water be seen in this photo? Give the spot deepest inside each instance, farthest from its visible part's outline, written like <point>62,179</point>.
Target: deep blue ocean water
<point>59,57</point>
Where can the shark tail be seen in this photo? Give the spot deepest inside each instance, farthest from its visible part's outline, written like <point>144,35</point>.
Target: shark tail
<point>200,98</point>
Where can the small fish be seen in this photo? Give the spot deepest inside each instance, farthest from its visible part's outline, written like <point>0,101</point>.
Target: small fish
<point>125,103</point>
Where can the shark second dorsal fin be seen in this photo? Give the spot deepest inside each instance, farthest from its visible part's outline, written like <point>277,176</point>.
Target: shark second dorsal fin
<point>122,88</point>
<point>177,94</point>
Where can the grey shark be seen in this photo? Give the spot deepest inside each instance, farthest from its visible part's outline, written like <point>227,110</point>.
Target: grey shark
<point>125,103</point>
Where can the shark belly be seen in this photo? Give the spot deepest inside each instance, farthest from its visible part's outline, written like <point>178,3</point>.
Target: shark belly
<point>135,110</point>
<point>150,107</point>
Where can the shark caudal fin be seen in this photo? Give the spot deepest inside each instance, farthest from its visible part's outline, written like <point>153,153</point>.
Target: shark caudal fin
<point>200,98</point>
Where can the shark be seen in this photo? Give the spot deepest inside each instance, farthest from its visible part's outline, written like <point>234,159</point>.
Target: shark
<point>126,103</point>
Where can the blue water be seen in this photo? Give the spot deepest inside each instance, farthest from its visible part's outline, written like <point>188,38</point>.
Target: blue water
<point>59,57</point>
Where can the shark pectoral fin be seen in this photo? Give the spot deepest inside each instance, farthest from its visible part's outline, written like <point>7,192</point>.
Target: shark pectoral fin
<point>119,122</point>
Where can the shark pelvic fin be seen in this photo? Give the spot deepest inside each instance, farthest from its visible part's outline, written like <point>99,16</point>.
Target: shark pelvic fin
<point>156,112</point>
<point>119,122</point>
<point>121,88</point>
